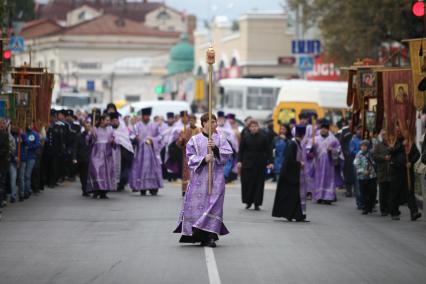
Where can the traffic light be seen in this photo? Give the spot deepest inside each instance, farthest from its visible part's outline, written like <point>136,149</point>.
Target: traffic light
<point>418,8</point>
<point>159,89</point>
<point>7,54</point>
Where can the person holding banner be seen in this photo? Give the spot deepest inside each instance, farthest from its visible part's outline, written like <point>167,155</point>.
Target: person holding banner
<point>402,177</point>
<point>201,218</point>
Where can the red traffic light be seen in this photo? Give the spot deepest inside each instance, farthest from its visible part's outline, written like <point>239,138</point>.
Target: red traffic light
<point>7,54</point>
<point>418,9</point>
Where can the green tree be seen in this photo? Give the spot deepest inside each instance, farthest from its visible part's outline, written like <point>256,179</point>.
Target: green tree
<point>22,10</point>
<point>352,29</point>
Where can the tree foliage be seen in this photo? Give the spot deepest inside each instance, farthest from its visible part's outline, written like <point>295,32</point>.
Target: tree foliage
<point>22,10</point>
<point>352,29</point>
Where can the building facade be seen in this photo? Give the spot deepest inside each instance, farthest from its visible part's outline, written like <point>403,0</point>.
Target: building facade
<point>105,55</point>
<point>254,50</point>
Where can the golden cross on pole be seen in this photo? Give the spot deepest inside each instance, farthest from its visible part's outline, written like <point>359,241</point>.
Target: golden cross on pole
<point>210,58</point>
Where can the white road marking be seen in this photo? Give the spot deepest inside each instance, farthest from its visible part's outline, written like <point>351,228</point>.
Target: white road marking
<point>214,277</point>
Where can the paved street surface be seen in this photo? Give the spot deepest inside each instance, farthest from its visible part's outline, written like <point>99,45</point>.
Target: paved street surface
<point>61,237</point>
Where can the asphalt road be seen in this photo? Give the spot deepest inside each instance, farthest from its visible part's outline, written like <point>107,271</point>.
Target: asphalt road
<point>61,237</point>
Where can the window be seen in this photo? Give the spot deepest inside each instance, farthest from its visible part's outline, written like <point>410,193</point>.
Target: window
<point>261,98</point>
<point>234,99</point>
<point>132,98</point>
<point>82,15</point>
<point>286,115</point>
<point>334,116</point>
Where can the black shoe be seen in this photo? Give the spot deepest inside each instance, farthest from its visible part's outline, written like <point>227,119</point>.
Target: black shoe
<point>257,208</point>
<point>384,214</point>
<point>211,243</point>
<point>348,194</point>
<point>319,201</point>
<point>95,196</point>
<point>12,200</point>
<point>395,218</point>
<point>85,194</point>
<point>248,206</point>
<point>153,192</point>
<point>143,192</point>
<point>364,212</point>
<point>416,216</point>
<point>183,193</point>
<point>326,202</point>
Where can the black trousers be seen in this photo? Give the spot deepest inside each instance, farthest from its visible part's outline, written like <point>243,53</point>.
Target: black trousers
<point>126,166</point>
<point>368,190</point>
<point>396,197</point>
<point>50,169</point>
<point>83,172</point>
<point>384,196</point>
<point>3,178</point>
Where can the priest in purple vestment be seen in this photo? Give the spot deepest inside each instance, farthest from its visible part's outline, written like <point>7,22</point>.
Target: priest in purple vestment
<point>102,176</point>
<point>123,153</point>
<point>146,170</point>
<point>328,153</point>
<point>201,219</point>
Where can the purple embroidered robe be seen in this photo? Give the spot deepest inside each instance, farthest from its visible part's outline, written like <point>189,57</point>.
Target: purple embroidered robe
<point>327,152</point>
<point>202,210</point>
<point>146,169</point>
<point>101,165</point>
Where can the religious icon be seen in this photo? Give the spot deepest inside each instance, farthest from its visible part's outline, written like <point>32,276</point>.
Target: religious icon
<point>423,65</point>
<point>22,99</point>
<point>400,93</point>
<point>370,120</point>
<point>368,80</point>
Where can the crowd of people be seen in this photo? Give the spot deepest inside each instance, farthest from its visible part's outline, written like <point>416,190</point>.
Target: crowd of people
<point>110,152</point>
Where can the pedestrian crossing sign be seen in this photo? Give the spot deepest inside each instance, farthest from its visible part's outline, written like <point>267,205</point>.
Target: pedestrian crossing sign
<point>16,44</point>
<point>306,63</point>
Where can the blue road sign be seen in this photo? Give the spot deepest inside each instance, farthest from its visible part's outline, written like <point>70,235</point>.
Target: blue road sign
<point>90,85</point>
<point>306,46</point>
<point>16,44</point>
<point>306,63</point>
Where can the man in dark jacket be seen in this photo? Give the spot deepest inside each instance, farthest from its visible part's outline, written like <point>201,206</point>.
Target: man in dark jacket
<point>82,157</point>
<point>4,158</point>
<point>382,158</point>
<point>402,178</point>
<point>254,155</point>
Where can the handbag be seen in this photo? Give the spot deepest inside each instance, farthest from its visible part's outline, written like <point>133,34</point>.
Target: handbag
<point>420,165</point>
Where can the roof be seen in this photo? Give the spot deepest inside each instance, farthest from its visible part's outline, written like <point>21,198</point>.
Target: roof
<point>114,25</point>
<point>39,28</point>
<point>181,56</point>
<point>136,11</point>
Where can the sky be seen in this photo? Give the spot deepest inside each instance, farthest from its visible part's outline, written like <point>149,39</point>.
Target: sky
<point>207,9</point>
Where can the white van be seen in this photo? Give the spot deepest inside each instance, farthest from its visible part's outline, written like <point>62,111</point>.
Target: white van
<point>159,108</point>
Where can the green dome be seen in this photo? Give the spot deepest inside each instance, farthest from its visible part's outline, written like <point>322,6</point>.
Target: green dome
<point>181,56</point>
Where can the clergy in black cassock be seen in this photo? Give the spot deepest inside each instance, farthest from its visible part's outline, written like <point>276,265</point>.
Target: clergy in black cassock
<point>254,156</point>
<point>290,197</point>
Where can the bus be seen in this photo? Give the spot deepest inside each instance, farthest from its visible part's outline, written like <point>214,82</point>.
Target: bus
<point>323,98</point>
<point>248,97</point>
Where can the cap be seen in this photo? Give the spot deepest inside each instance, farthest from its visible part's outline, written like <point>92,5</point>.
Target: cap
<point>220,114</point>
<point>325,124</point>
<point>114,115</point>
<point>300,130</point>
<point>292,121</point>
<point>69,112</point>
<point>365,142</point>
<point>230,116</point>
<point>170,115</point>
<point>183,113</point>
<point>63,111</point>
<point>146,111</point>
<point>53,111</point>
